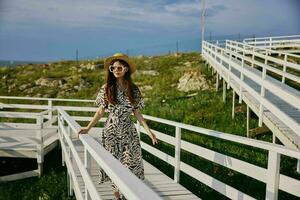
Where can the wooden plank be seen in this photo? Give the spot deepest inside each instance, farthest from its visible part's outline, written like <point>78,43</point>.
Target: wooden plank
<point>29,153</point>
<point>10,125</point>
<point>258,131</point>
<point>18,176</point>
<point>155,179</point>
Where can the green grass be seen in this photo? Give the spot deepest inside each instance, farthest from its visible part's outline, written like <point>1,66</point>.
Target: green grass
<point>51,185</point>
<point>206,109</point>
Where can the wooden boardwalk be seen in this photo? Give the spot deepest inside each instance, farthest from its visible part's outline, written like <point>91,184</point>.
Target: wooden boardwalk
<point>275,123</point>
<point>164,186</point>
<point>24,141</point>
<point>22,147</point>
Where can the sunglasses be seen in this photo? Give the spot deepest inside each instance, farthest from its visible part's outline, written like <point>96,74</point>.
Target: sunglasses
<point>118,68</point>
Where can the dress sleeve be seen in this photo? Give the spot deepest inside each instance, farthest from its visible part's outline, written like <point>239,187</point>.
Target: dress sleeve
<point>101,99</point>
<point>139,101</point>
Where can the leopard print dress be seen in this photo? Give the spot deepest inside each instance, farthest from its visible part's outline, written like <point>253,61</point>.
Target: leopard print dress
<point>119,135</point>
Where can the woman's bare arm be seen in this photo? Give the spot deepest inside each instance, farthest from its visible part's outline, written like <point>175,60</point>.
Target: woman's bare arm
<point>99,113</point>
<point>142,121</point>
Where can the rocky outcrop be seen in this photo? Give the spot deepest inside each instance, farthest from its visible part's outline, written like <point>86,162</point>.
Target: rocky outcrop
<point>89,66</point>
<point>147,72</point>
<point>191,81</point>
<point>146,87</point>
<point>52,82</point>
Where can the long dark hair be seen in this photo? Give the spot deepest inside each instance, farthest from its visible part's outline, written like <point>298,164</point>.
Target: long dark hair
<point>111,86</point>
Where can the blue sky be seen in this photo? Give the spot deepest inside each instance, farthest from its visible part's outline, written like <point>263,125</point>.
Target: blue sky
<point>41,30</point>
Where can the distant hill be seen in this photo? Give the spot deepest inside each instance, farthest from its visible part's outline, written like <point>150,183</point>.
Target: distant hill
<point>15,63</point>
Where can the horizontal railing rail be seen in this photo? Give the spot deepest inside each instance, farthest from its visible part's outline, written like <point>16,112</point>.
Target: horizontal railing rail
<point>278,41</point>
<point>287,58</point>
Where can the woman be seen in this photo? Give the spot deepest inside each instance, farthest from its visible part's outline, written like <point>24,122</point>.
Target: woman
<point>120,97</point>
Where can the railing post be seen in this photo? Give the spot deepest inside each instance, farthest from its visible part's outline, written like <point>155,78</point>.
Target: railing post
<point>262,93</point>
<point>60,137</point>
<point>221,58</point>
<point>284,68</point>
<point>273,173</point>
<point>70,185</point>
<point>177,154</point>
<point>253,56</point>
<point>233,102</point>
<point>224,90</point>
<point>217,81</point>
<point>242,75</point>
<point>69,131</point>
<point>50,108</point>
<point>87,165</point>
<point>229,69</point>
<point>215,56</point>
<point>40,147</point>
<point>248,120</point>
<point>71,160</point>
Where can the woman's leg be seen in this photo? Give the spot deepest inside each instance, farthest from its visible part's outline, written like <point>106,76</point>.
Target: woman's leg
<point>117,194</point>
<point>115,191</point>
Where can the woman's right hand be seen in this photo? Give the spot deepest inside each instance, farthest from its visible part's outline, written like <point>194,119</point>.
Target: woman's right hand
<point>82,131</point>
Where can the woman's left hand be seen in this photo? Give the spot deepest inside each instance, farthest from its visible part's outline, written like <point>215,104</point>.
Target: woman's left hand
<point>153,138</point>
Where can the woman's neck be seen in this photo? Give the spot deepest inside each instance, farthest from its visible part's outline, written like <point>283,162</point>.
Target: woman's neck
<point>121,82</point>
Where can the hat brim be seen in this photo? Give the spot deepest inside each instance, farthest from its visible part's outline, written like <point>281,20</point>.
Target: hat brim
<point>109,60</point>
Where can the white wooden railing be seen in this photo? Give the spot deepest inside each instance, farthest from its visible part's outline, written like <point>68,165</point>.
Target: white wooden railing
<point>126,181</point>
<point>271,175</point>
<point>67,126</point>
<point>236,60</point>
<point>253,55</point>
<point>32,132</point>
<point>278,42</point>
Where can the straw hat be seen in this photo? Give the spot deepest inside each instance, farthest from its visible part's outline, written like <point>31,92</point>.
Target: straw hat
<point>120,56</point>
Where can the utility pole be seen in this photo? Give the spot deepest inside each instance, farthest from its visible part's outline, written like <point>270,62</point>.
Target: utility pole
<point>127,52</point>
<point>202,21</point>
<point>77,55</point>
<point>177,51</point>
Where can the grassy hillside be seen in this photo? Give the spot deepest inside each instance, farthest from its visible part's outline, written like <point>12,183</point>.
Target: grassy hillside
<point>158,78</point>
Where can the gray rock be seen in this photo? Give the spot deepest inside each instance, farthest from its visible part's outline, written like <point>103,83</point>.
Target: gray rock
<point>147,72</point>
<point>146,87</point>
<point>24,86</point>
<point>188,64</point>
<point>89,66</point>
<point>192,81</point>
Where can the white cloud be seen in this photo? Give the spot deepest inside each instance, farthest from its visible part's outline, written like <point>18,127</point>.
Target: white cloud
<point>112,14</point>
<point>185,8</point>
